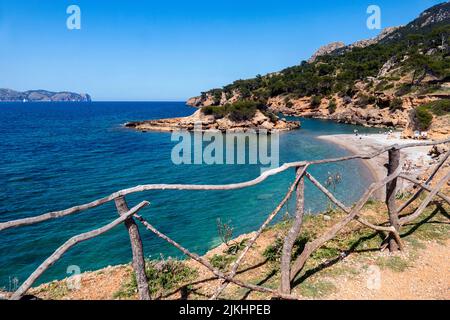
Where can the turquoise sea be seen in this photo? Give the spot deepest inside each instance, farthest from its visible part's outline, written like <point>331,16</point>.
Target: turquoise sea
<point>57,155</point>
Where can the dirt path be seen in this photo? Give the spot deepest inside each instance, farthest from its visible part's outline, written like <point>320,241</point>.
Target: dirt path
<point>427,277</point>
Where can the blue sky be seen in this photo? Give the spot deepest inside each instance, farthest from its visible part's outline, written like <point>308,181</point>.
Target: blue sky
<point>171,50</point>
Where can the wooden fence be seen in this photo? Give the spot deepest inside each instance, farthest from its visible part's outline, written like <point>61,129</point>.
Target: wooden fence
<point>289,270</point>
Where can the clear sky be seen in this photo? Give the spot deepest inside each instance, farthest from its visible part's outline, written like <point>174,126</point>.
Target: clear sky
<point>171,50</point>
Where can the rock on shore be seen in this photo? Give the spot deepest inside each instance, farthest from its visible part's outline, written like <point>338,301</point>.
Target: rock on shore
<point>209,123</point>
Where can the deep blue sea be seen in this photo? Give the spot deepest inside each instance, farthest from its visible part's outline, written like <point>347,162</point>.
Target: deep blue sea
<point>57,155</point>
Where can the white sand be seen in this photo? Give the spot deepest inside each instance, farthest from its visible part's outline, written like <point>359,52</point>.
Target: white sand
<point>417,157</point>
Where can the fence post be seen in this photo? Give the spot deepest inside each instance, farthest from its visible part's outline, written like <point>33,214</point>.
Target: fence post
<point>292,236</point>
<point>137,250</point>
<point>391,191</point>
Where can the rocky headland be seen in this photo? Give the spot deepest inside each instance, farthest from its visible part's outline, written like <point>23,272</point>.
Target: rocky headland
<point>210,123</point>
<point>8,95</point>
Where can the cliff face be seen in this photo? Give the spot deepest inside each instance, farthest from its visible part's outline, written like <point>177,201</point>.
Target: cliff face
<point>374,82</point>
<point>9,95</point>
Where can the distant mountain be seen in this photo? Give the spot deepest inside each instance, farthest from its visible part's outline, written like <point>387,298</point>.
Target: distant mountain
<point>376,82</point>
<point>41,95</point>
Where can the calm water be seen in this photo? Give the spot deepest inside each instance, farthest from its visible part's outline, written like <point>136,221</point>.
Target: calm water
<point>56,155</point>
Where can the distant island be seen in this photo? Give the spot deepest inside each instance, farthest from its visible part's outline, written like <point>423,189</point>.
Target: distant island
<point>8,95</point>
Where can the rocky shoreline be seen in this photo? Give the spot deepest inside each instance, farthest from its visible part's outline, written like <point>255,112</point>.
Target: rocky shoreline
<point>209,123</point>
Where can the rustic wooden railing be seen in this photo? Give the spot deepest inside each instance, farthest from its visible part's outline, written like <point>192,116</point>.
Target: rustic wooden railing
<point>289,269</point>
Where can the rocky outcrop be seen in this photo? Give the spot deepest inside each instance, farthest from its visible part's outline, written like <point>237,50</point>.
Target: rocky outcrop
<point>209,123</point>
<point>344,110</point>
<point>386,33</point>
<point>433,15</point>
<point>339,47</point>
<point>8,95</point>
<point>324,50</point>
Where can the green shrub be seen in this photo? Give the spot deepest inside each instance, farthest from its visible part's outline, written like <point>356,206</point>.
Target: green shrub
<point>272,116</point>
<point>273,251</point>
<point>439,107</point>
<point>217,96</point>
<point>220,261</point>
<point>364,100</point>
<point>217,111</point>
<point>235,247</point>
<point>403,89</point>
<point>332,106</point>
<point>242,111</point>
<point>239,111</point>
<point>162,276</point>
<point>166,274</point>
<point>424,117</point>
<point>288,102</point>
<point>315,101</point>
<point>396,104</point>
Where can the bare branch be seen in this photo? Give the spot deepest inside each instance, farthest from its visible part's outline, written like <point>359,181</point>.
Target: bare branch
<point>427,200</point>
<point>69,244</point>
<point>289,240</point>
<point>206,263</point>
<point>425,187</point>
<point>347,210</point>
<point>137,250</point>
<point>430,178</point>
<point>312,246</point>
<point>260,230</point>
<point>148,187</point>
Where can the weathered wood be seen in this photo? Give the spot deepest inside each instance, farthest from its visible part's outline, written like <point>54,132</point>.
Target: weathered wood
<point>290,238</point>
<point>208,265</point>
<point>425,202</point>
<point>430,178</point>
<point>142,188</point>
<point>238,261</point>
<point>69,244</point>
<point>425,187</point>
<point>391,192</point>
<point>312,246</point>
<point>347,210</point>
<point>136,249</point>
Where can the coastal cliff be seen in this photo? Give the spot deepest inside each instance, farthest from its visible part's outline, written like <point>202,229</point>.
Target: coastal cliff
<point>8,95</point>
<point>392,80</point>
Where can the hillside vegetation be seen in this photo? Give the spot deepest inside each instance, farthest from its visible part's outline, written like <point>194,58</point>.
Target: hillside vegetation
<point>374,82</point>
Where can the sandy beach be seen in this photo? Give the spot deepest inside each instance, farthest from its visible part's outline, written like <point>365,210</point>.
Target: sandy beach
<point>415,160</point>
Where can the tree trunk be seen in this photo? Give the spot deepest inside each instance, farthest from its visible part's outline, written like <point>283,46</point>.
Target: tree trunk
<point>291,237</point>
<point>137,250</point>
<point>391,191</point>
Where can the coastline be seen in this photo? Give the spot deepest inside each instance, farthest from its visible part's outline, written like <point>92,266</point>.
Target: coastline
<point>376,169</point>
<point>208,123</point>
<point>417,158</point>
